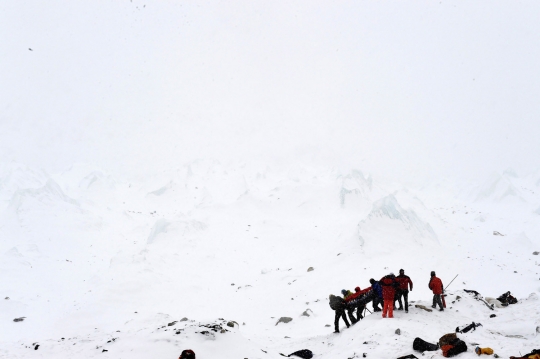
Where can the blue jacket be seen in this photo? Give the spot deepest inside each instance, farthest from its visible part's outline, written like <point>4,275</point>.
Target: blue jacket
<point>377,288</point>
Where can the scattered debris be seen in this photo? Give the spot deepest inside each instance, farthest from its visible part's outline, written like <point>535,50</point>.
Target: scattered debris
<point>284,320</point>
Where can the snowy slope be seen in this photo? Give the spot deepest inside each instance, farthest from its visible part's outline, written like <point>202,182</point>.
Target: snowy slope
<point>89,259</point>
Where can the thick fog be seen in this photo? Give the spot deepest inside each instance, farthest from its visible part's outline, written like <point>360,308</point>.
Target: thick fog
<point>418,89</point>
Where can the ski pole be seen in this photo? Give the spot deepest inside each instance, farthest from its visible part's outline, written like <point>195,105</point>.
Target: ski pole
<point>451,282</point>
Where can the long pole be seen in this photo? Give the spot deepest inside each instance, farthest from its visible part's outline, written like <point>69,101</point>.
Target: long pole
<point>451,282</point>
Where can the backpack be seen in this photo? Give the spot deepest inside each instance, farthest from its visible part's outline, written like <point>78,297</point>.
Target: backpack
<point>507,298</point>
<point>304,353</point>
<point>423,346</point>
<point>187,354</point>
<point>454,348</point>
<point>333,302</point>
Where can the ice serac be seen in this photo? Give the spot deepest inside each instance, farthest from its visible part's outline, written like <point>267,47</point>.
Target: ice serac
<point>390,222</point>
<point>354,187</point>
<point>50,194</point>
<point>159,227</point>
<point>500,188</point>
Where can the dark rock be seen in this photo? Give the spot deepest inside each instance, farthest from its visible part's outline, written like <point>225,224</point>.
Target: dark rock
<point>534,254</point>
<point>284,320</point>
<point>172,323</point>
<point>36,347</point>
<point>327,325</point>
<point>495,233</point>
<point>6,298</point>
<point>310,269</point>
<point>19,319</point>
<point>492,316</point>
<point>231,323</point>
<point>306,314</point>
<point>398,331</point>
<point>184,319</point>
<point>104,350</point>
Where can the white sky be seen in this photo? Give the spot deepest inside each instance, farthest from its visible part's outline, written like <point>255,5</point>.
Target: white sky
<point>404,89</point>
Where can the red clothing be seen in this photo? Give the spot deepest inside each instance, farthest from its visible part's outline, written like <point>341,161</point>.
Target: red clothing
<point>436,285</point>
<point>388,307</point>
<point>404,282</point>
<point>388,287</point>
<point>358,293</point>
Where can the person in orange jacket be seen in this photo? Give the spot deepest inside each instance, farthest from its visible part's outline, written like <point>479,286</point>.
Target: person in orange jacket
<point>389,286</point>
<point>435,284</point>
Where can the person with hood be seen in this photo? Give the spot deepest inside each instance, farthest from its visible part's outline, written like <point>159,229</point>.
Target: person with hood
<point>376,286</point>
<point>389,286</point>
<point>404,283</point>
<point>435,284</point>
<point>338,304</point>
<point>348,296</point>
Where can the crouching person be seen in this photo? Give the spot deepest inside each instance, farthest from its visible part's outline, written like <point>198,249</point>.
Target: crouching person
<point>339,305</point>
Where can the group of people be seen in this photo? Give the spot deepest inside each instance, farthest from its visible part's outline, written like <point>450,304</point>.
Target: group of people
<point>385,292</point>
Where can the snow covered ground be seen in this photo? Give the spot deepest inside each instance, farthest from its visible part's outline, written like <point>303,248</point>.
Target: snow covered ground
<point>102,267</point>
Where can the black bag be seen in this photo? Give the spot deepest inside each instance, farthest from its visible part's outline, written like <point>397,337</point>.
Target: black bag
<point>507,298</point>
<point>468,328</point>
<point>187,354</point>
<point>423,346</point>
<point>304,353</point>
<point>458,346</point>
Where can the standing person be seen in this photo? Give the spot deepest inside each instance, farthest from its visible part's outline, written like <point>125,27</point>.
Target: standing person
<point>338,304</point>
<point>376,286</point>
<point>404,283</point>
<point>389,286</point>
<point>435,284</point>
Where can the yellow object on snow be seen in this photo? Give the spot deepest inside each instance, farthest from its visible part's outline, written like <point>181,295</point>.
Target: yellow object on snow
<point>487,351</point>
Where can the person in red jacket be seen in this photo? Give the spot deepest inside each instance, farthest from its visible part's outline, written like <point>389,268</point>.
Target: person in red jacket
<point>389,286</point>
<point>435,284</point>
<point>404,283</point>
